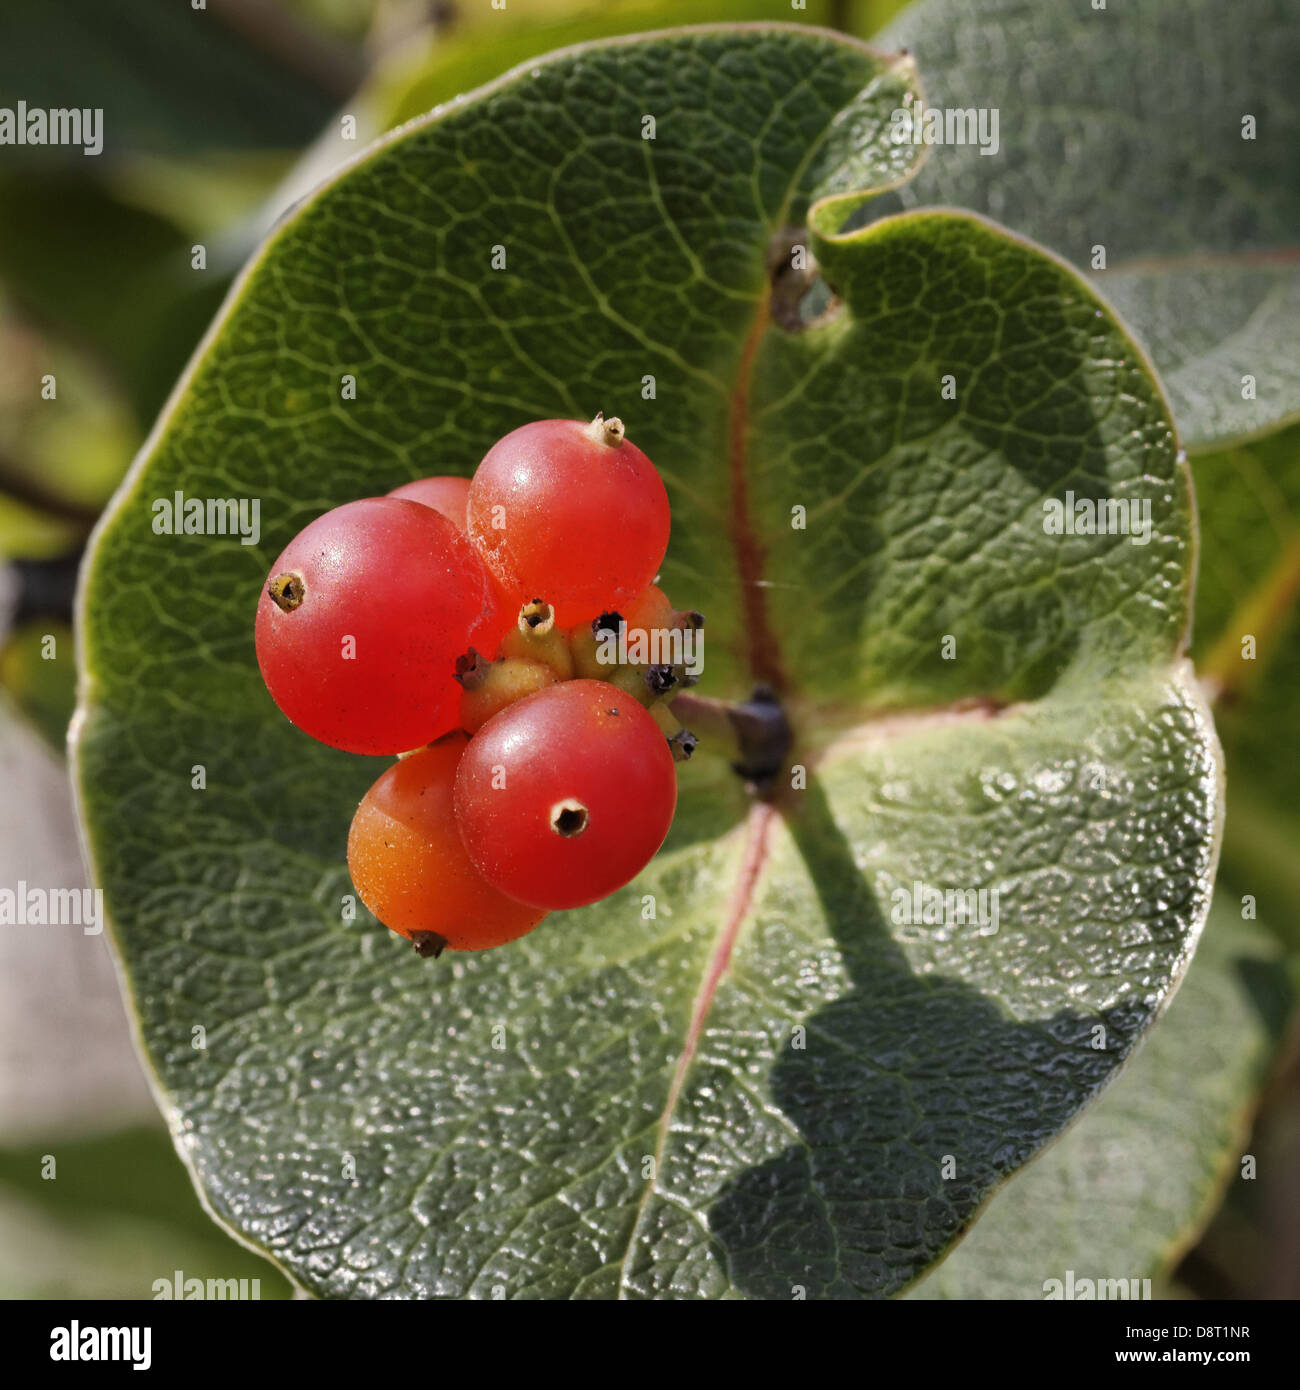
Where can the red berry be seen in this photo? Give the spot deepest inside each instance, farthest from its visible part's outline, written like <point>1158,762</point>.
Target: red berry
<point>450,496</point>
<point>408,863</point>
<point>566,795</point>
<point>362,619</point>
<point>573,512</point>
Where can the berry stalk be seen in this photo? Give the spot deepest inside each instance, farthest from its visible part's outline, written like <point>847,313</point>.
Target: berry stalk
<point>758,730</point>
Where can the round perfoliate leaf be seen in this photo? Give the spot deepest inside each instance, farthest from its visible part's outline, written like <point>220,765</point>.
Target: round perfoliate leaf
<point>794,1056</point>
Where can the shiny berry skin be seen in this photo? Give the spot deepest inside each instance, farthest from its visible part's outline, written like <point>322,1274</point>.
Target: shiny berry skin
<point>447,495</point>
<point>362,618</point>
<point>565,796</point>
<point>571,511</point>
<point>408,863</point>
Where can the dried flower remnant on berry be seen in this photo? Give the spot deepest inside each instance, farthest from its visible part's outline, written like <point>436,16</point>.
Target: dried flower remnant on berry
<point>287,591</point>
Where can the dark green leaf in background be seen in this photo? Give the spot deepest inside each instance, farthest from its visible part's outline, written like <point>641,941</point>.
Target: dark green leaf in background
<point>170,78</point>
<point>1122,127</point>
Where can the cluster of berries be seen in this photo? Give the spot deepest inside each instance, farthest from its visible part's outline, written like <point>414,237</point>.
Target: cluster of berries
<point>538,776</point>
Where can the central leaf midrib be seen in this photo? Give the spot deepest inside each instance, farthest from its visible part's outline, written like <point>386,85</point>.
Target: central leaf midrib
<point>739,902</point>
<point>762,649</point>
<point>763,655</point>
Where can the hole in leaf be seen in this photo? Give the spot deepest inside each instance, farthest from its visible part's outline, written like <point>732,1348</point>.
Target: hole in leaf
<point>801,298</point>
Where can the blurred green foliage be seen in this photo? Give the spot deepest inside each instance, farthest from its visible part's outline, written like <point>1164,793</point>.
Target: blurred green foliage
<point>37,671</point>
<point>106,1216</point>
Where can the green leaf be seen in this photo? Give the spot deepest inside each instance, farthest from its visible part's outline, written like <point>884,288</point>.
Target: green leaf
<point>1123,1194</point>
<point>743,1075</point>
<point>443,60</point>
<point>1129,1188</point>
<point>1106,138</point>
<point>480,46</point>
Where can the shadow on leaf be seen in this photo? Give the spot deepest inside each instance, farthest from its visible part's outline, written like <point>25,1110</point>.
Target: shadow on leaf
<point>914,1097</point>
